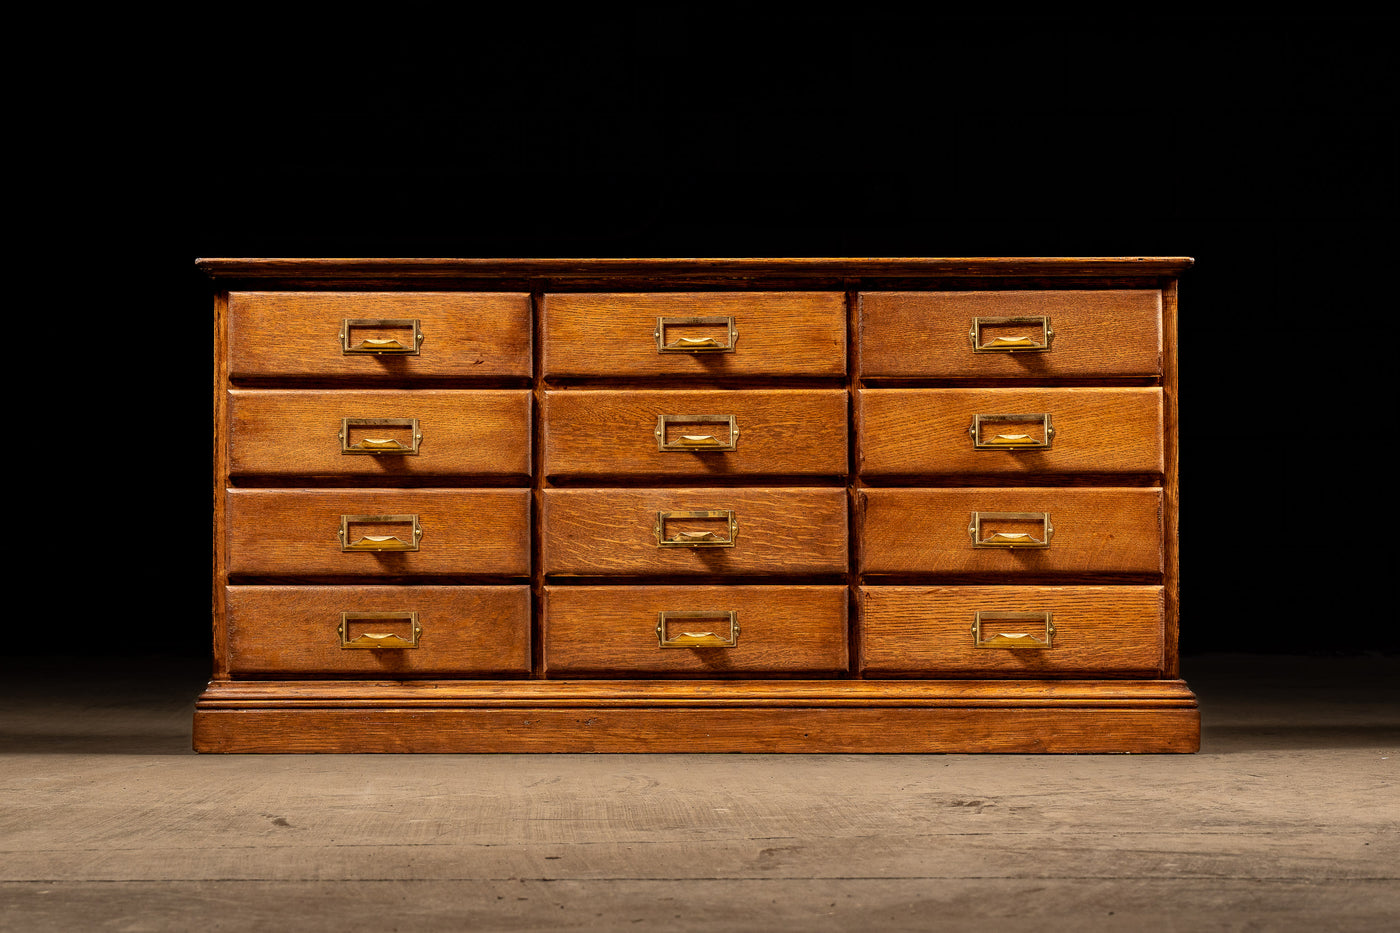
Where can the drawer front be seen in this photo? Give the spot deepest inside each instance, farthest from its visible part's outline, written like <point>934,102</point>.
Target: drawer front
<point>741,333</point>
<point>1098,630</point>
<point>773,531</point>
<point>615,630</point>
<point>926,531</point>
<point>605,433</point>
<point>294,334</point>
<point>297,532</point>
<point>460,630</point>
<point>279,432</point>
<point>1092,333</point>
<point>912,432</point>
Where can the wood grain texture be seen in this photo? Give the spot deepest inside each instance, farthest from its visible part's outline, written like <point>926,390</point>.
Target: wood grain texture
<point>294,531</point>
<point>217,502</point>
<point>297,334</point>
<point>466,630</point>
<point>779,333</point>
<point>612,531</point>
<point>914,432</point>
<point>924,531</point>
<point>609,433</point>
<point>1111,332</point>
<point>294,432</point>
<point>926,630</point>
<point>1171,484</point>
<point>601,630</point>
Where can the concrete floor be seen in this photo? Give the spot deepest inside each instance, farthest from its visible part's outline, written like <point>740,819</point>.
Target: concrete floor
<point>1286,820</point>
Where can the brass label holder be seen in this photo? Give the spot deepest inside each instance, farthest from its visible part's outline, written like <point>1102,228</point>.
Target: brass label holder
<point>697,639</point>
<point>696,538</point>
<point>380,446</point>
<point>1008,539</point>
<point>697,443</point>
<point>379,542</point>
<point>381,346</point>
<point>379,640</point>
<point>1013,639</point>
<point>1011,441</point>
<point>696,344</point>
<point>1017,344</point>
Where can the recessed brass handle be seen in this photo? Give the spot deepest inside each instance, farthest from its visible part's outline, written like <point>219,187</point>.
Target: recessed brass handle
<point>696,538</point>
<point>364,542</point>
<point>1011,439</point>
<point>707,344</point>
<point>379,639</point>
<point>697,639</point>
<point>406,344</point>
<point>381,445</point>
<point>1010,343</point>
<point>697,443</point>
<point>1014,630</point>
<point>999,536</point>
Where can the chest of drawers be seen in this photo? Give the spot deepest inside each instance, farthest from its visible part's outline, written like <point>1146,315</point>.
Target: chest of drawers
<point>811,505</point>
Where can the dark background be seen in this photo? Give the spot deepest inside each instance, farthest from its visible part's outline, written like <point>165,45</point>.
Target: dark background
<point>1265,147</point>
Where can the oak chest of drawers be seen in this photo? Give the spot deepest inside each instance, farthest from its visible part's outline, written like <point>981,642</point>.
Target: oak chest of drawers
<point>812,505</point>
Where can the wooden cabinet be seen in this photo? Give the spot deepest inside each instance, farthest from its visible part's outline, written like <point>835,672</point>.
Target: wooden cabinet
<point>864,505</point>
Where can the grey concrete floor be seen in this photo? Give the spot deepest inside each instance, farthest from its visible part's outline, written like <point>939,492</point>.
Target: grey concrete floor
<point>1286,820</point>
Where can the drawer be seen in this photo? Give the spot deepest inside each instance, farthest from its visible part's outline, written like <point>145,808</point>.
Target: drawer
<point>1092,333</point>
<point>298,532</point>
<point>282,432</point>
<point>460,630</point>
<point>739,333</point>
<point>607,433</point>
<point>299,334</point>
<point>773,531</point>
<point>1098,630</point>
<point>905,432</point>
<point>708,631</point>
<point>926,531</point>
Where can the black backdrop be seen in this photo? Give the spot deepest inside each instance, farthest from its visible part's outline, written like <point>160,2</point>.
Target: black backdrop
<point>1264,147</point>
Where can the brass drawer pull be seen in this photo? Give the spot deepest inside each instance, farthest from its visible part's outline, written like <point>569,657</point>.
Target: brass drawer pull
<point>381,445</point>
<point>700,639</point>
<point>696,538</point>
<point>1012,440</point>
<point>403,345</point>
<point>695,344</point>
<point>999,536</point>
<point>1017,637</point>
<point>379,542</point>
<point>379,639</point>
<point>1017,343</point>
<point>698,443</point>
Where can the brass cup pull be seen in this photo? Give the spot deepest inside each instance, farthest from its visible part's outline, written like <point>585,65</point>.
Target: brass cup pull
<point>699,443</point>
<point>350,541</point>
<point>366,336</point>
<point>1008,438</point>
<point>379,639</point>
<point>697,639</point>
<point>1000,535</point>
<point>696,537</point>
<point>1015,630</point>
<point>353,440</point>
<point>705,344</point>
<point>999,342</point>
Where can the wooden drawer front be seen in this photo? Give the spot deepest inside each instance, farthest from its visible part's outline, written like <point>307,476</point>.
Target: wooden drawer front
<point>774,333</point>
<point>297,432</point>
<point>613,531</point>
<point>613,433</point>
<point>1094,333</point>
<point>925,531</point>
<point>464,630</point>
<point>925,431</point>
<point>602,630</point>
<point>299,334</point>
<point>477,531</point>
<point>928,630</point>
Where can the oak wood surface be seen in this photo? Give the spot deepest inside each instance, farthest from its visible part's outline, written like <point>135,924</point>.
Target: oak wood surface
<point>294,432</point>
<point>612,630</point>
<point>924,531</point>
<point>925,431</point>
<point>612,531</point>
<point>1096,333</point>
<point>294,531</point>
<point>610,433</point>
<point>779,333</point>
<point>297,334</point>
<point>926,630</point>
<point>466,630</point>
